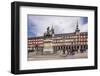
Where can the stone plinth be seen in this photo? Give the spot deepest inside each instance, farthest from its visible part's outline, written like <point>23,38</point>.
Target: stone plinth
<point>48,47</point>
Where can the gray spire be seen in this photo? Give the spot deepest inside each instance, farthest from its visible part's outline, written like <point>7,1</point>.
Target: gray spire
<point>52,29</point>
<point>77,27</point>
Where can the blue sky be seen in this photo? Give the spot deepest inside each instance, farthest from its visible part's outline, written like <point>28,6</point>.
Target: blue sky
<point>37,24</point>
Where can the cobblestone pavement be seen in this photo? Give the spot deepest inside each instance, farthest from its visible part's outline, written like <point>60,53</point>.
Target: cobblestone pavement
<point>32,57</point>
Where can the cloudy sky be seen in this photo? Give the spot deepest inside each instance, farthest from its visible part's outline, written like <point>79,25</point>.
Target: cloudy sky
<point>37,24</point>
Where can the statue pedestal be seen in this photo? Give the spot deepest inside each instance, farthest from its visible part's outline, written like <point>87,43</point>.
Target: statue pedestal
<point>48,47</point>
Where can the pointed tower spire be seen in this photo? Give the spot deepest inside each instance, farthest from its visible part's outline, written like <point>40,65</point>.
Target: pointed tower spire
<point>52,29</point>
<point>77,27</point>
<point>52,26</point>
